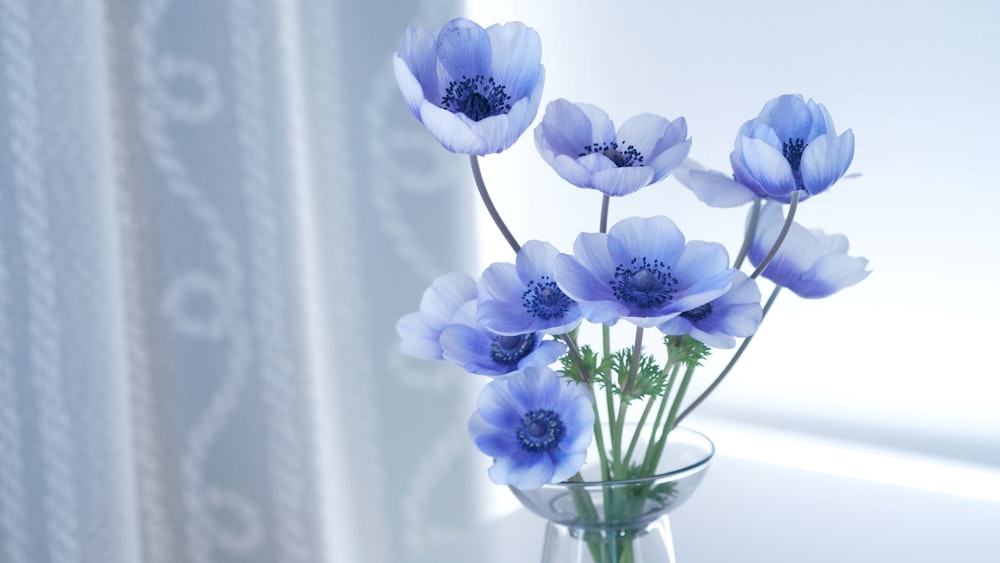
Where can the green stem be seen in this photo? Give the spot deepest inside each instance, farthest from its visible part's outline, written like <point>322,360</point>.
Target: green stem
<point>477,175</point>
<point>732,362</point>
<point>781,236</point>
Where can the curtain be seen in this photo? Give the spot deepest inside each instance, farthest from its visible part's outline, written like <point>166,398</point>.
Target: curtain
<point>211,215</point>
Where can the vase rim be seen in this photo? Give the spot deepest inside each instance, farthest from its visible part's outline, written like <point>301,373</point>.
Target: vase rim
<point>673,474</point>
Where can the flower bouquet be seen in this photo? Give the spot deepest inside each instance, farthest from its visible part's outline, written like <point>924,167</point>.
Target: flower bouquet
<point>553,397</point>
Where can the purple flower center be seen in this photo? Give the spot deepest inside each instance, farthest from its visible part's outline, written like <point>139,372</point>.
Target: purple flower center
<point>647,284</point>
<point>698,313</point>
<point>544,300</point>
<point>508,350</point>
<point>630,156</point>
<point>540,431</point>
<point>477,97</point>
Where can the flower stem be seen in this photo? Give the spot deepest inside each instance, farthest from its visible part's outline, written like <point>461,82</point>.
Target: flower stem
<point>748,238</point>
<point>729,366</point>
<point>605,203</point>
<point>781,236</point>
<point>488,202</point>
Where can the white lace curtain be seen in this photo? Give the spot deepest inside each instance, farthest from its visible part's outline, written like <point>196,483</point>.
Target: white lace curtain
<point>211,214</point>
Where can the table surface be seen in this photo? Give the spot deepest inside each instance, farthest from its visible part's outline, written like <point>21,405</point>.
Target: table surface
<point>750,510</point>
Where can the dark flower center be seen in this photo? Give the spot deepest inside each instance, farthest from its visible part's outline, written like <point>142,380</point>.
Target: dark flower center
<point>622,158</point>
<point>792,151</point>
<point>508,350</point>
<point>698,313</point>
<point>647,284</point>
<point>544,300</point>
<point>477,97</point>
<point>540,431</point>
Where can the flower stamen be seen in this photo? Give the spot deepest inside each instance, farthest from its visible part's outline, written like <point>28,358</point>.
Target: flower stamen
<point>509,350</point>
<point>477,97</point>
<point>623,158</point>
<point>647,284</point>
<point>698,313</point>
<point>540,431</point>
<point>544,300</point>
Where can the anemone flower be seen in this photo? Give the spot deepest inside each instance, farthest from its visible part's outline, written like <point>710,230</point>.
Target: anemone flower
<point>481,351</point>
<point>476,90</point>
<point>524,297</point>
<point>420,332</point>
<point>792,145</point>
<point>580,143</point>
<point>642,271</point>
<point>737,313</point>
<point>811,263</point>
<point>535,425</point>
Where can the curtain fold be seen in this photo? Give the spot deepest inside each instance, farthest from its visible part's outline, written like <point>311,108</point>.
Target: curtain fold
<point>211,215</point>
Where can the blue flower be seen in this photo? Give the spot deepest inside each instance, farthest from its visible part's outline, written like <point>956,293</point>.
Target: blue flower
<point>792,145</point>
<point>481,351</point>
<point>811,263</point>
<point>579,141</point>
<point>420,332</point>
<point>520,298</point>
<point>716,323</point>
<point>642,271</point>
<point>536,426</point>
<point>475,90</point>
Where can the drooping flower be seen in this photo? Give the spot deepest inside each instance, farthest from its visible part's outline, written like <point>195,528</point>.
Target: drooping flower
<point>642,271</point>
<point>536,425</point>
<point>580,143</point>
<point>420,332</point>
<point>481,351</point>
<point>476,90</point>
<point>524,297</point>
<point>737,313</point>
<point>811,263</point>
<point>792,145</point>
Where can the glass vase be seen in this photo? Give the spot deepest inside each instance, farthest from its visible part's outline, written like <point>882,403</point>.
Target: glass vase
<point>620,521</point>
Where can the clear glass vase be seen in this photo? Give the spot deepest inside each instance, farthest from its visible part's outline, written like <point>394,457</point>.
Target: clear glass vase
<point>620,521</point>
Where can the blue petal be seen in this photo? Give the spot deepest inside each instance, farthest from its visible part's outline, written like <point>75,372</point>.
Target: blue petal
<point>565,129</point>
<point>417,340</point>
<point>535,260</point>
<point>491,440</point>
<point>668,161</point>
<point>523,470</point>
<point>825,160</point>
<point>567,465</point>
<point>788,116</point>
<point>713,187</point>
<point>768,166</point>
<point>454,131</point>
<point>830,274</point>
<point>642,131</point>
<point>535,388</point>
<point>505,317</point>
<point>471,349</point>
<point>546,353</point>
<point>497,407</point>
<point>516,59</point>
<point>601,126</point>
<point>580,282</point>
<point>654,238</point>
<point>617,182</point>
<point>445,296</point>
<point>464,49</point>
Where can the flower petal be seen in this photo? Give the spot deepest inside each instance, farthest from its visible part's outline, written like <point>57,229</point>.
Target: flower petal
<point>464,49</point>
<point>825,160</point>
<point>768,166</point>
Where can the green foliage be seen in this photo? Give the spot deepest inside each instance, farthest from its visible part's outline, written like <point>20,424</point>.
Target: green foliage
<point>686,350</point>
<point>571,366</point>
<point>612,372</point>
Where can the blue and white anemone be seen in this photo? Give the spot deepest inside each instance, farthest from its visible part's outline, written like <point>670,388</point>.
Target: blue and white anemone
<point>737,313</point>
<point>481,351</point>
<point>811,263</point>
<point>476,90</point>
<point>420,332</point>
<point>524,297</point>
<point>791,146</point>
<point>580,143</point>
<point>535,425</point>
<point>643,271</point>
